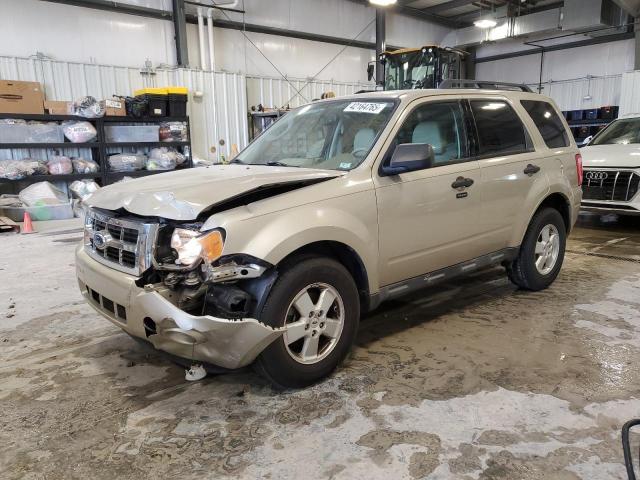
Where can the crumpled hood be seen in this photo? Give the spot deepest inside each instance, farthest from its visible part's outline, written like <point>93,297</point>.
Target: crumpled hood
<point>183,195</point>
<point>627,156</point>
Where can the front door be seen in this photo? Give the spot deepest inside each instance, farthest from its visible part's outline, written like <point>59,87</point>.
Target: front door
<point>427,221</point>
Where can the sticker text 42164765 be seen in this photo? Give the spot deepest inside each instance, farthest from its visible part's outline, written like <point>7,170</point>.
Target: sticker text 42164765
<point>365,107</point>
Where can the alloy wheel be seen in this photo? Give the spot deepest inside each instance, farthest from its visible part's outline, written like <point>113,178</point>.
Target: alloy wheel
<point>313,323</point>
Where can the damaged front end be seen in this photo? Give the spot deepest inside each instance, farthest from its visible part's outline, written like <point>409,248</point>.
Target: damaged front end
<point>188,300</point>
<point>205,282</point>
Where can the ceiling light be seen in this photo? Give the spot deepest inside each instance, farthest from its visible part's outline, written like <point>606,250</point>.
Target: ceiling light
<point>382,3</point>
<point>485,23</point>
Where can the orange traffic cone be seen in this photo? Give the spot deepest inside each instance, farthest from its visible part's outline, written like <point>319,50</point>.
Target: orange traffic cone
<point>27,225</point>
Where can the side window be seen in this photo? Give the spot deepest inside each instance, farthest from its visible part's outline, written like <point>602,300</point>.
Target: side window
<point>439,124</point>
<point>500,130</point>
<point>548,122</point>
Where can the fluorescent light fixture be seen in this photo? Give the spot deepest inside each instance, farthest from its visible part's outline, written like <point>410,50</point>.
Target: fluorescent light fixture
<point>485,23</point>
<point>382,3</point>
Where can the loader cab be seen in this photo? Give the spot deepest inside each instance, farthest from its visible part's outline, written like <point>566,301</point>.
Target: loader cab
<point>425,67</point>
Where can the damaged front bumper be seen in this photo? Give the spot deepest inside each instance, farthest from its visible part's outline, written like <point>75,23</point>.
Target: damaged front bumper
<point>150,314</point>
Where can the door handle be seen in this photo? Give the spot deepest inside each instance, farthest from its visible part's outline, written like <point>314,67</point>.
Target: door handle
<point>462,182</point>
<point>531,169</point>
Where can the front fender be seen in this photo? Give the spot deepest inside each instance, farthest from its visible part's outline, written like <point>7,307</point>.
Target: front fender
<point>350,220</point>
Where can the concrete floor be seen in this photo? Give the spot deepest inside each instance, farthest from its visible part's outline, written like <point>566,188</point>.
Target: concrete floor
<point>473,380</point>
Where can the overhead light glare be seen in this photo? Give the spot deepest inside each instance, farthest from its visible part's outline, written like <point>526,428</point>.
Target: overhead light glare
<point>485,23</point>
<point>382,3</point>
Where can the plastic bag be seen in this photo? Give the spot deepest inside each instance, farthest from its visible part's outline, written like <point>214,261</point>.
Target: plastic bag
<point>83,189</point>
<point>127,162</point>
<point>79,132</point>
<point>42,193</point>
<point>81,165</point>
<point>174,132</point>
<point>87,107</point>
<point>160,163</point>
<point>18,169</point>
<point>60,165</point>
<point>164,159</point>
<point>201,162</point>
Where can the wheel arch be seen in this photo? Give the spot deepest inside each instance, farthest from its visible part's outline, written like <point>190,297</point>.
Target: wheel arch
<point>559,202</point>
<point>556,200</point>
<point>343,254</point>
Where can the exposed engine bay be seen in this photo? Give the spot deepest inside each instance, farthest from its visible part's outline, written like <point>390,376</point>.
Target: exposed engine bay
<point>232,286</point>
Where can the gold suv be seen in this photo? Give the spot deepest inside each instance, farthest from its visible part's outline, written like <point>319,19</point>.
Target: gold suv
<point>340,205</point>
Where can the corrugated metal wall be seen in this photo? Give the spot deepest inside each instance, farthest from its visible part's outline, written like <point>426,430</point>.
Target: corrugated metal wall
<point>630,96</point>
<point>584,93</point>
<point>211,121</point>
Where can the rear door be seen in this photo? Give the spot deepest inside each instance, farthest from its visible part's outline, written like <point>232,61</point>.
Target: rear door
<point>511,173</point>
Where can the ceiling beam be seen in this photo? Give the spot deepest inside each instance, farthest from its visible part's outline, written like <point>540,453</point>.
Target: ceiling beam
<point>416,13</point>
<point>616,37</point>
<point>470,16</point>
<point>443,7</point>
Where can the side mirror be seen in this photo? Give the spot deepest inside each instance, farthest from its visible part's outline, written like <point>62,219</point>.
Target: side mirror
<point>586,141</point>
<point>409,157</point>
<point>370,71</point>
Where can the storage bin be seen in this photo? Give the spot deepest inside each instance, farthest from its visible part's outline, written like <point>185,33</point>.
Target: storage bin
<point>591,114</point>
<point>35,133</point>
<point>583,132</point>
<point>44,212</point>
<point>576,115</point>
<point>156,99</point>
<point>131,133</point>
<point>609,113</point>
<point>177,101</point>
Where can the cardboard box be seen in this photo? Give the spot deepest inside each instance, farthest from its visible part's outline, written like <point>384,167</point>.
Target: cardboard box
<point>21,97</point>
<point>114,107</point>
<point>55,107</point>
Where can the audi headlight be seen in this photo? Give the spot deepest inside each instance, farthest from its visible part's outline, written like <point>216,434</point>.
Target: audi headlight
<point>192,245</point>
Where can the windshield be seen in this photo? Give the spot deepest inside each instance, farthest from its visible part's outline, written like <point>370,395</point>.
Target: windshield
<point>411,70</point>
<point>335,135</point>
<point>621,132</point>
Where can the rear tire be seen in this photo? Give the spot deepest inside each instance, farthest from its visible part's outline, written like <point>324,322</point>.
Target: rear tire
<point>317,299</point>
<point>541,253</point>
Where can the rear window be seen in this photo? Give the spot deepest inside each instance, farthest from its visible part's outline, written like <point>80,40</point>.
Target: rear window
<point>548,122</point>
<point>500,130</point>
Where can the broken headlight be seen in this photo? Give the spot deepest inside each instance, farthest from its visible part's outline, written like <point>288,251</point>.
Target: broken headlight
<point>192,245</point>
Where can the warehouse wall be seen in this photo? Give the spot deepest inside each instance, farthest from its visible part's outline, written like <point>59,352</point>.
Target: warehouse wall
<point>64,32</point>
<point>565,72</point>
<point>211,121</point>
<point>68,33</point>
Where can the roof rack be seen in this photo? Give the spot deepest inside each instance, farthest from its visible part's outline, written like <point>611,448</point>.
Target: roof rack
<point>485,85</point>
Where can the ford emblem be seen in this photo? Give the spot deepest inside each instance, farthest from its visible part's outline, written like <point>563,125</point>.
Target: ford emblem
<point>99,240</point>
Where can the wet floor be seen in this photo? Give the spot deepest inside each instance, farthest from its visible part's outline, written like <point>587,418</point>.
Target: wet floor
<point>471,380</point>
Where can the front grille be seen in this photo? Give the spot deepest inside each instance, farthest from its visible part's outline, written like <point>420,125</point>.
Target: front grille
<point>610,185</point>
<point>124,244</point>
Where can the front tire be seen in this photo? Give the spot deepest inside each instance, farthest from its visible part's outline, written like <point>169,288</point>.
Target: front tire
<point>541,253</point>
<point>316,299</point>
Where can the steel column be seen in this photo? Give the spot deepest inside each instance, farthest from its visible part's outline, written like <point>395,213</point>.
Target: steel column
<point>381,43</point>
<point>180,31</point>
<point>636,28</point>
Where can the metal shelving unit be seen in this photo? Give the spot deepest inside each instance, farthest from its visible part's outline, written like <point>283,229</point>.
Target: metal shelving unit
<point>98,148</point>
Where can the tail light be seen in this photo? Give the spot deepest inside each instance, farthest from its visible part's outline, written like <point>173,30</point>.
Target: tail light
<point>579,168</point>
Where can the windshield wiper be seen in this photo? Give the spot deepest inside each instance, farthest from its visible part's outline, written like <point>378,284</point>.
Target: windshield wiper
<point>238,161</point>
<point>275,163</point>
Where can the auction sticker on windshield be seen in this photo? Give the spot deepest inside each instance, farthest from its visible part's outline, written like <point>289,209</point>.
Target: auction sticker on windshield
<point>364,107</point>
